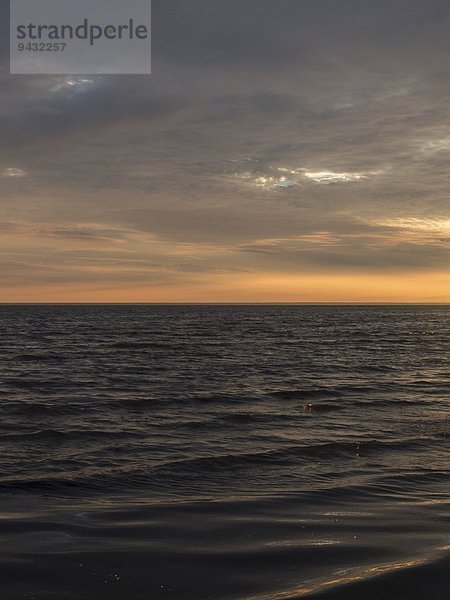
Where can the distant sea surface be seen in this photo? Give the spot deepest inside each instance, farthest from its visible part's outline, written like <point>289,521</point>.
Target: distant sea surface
<point>224,452</point>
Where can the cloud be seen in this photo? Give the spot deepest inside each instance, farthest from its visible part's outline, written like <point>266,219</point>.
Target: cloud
<point>13,172</point>
<point>330,177</point>
<point>72,85</point>
<point>282,136</point>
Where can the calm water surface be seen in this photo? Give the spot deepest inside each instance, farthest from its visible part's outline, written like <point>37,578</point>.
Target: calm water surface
<point>224,452</point>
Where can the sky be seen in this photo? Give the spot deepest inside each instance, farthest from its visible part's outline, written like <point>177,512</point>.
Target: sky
<point>281,151</point>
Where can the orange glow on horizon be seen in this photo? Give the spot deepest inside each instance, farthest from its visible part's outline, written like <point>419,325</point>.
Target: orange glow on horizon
<point>252,288</point>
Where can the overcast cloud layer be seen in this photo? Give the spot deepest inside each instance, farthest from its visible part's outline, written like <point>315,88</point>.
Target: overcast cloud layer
<point>274,139</point>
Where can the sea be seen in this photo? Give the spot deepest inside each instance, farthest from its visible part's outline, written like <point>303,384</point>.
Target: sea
<point>224,452</point>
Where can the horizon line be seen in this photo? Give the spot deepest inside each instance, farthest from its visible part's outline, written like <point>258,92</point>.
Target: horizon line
<point>234,303</point>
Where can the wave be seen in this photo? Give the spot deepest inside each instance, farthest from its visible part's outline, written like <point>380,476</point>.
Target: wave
<point>413,579</point>
<point>49,410</point>
<point>40,358</point>
<point>142,345</point>
<point>322,407</point>
<point>296,394</point>
<point>290,454</point>
<point>218,466</point>
<point>67,435</point>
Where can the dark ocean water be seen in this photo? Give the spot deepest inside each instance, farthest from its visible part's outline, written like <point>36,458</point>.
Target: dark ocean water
<point>224,452</point>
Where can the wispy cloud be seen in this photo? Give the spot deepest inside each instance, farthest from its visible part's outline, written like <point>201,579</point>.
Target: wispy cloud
<point>13,172</point>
